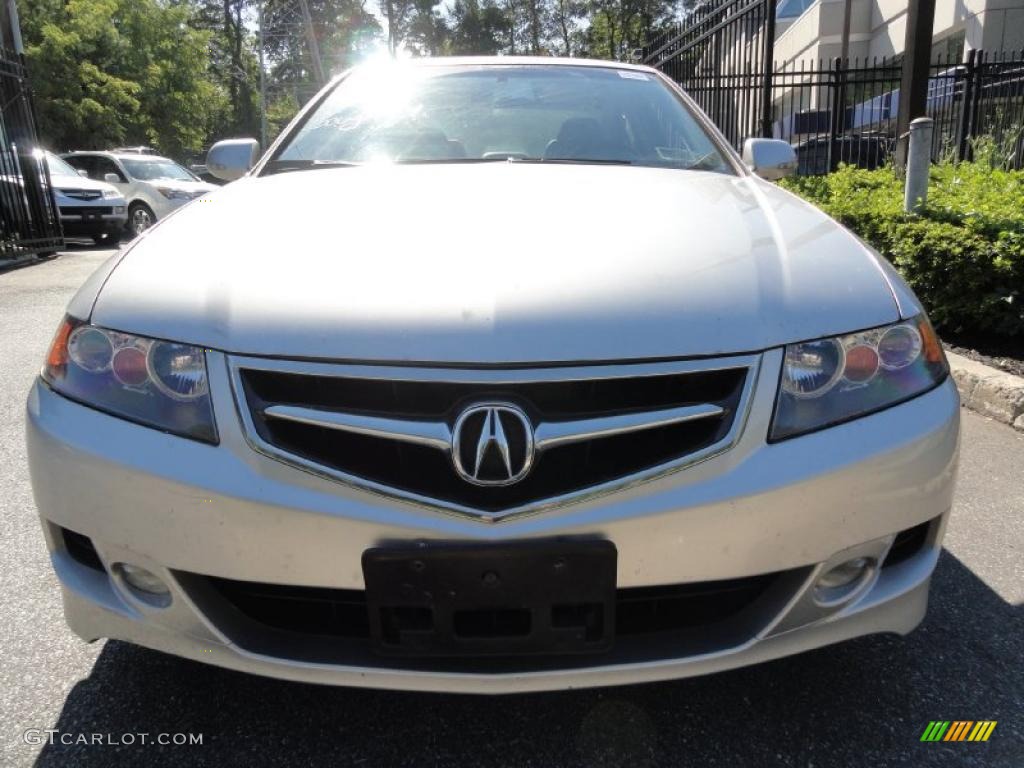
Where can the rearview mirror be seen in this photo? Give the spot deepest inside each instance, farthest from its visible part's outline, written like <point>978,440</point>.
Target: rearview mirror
<point>232,158</point>
<point>771,159</point>
<point>111,178</point>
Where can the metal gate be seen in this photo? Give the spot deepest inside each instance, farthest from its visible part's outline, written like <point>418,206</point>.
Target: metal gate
<point>722,56</point>
<point>29,221</point>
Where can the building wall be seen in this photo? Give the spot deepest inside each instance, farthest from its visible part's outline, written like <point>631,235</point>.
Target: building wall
<point>878,28</point>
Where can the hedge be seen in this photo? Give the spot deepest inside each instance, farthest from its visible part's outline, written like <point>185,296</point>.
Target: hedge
<point>963,254</point>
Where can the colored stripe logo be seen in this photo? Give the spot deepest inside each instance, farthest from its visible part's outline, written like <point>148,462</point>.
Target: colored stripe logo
<point>958,730</point>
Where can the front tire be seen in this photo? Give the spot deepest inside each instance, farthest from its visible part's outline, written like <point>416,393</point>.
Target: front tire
<point>140,218</point>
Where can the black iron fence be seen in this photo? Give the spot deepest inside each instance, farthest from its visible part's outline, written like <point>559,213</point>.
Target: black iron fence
<point>722,56</point>
<point>29,222</point>
<point>838,111</point>
<point>845,112</point>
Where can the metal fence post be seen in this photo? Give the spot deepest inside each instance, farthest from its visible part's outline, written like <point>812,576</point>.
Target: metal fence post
<point>767,70</point>
<point>963,129</point>
<point>919,157</point>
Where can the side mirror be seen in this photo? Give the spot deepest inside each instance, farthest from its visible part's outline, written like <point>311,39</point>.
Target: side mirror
<point>112,178</point>
<point>771,159</point>
<point>232,158</point>
<point>83,172</point>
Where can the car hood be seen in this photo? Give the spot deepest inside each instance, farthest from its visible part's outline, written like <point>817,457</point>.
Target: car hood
<point>496,263</point>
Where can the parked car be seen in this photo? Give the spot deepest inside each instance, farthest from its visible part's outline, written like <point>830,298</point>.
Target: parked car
<point>153,186</point>
<point>550,389</point>
<point>863,150</point>
<point>200,170</point>
<point>136,150</point>
<point>87,208</point>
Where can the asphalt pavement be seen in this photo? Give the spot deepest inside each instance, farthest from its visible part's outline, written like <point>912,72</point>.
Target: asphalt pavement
<point>862,703</point>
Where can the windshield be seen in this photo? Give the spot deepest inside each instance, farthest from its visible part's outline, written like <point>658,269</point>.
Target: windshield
<point>433,114</point>
<point>60,168</point>
<point>148,170</point>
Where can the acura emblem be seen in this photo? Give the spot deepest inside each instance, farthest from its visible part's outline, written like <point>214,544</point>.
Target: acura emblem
<point>492,444</point>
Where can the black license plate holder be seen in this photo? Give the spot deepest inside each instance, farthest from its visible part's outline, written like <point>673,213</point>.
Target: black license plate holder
<point>548,597</point>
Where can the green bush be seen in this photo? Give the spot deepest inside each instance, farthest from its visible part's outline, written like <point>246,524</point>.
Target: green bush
<point>963,254</point>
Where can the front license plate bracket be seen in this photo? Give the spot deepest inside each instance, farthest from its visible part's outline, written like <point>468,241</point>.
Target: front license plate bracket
<point>548,597</point>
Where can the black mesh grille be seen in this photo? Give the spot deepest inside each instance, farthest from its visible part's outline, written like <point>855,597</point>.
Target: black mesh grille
<point>428,472</point>
<point>343,613</point>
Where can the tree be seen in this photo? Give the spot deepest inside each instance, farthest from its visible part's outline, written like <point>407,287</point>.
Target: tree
<point>107,72</point>
<point>564,25</point>
<point>233,62</point>
<point>477,28</point>
<point>427,32</point>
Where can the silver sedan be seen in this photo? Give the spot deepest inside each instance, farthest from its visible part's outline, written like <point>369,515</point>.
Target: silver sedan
<point>551,389</point>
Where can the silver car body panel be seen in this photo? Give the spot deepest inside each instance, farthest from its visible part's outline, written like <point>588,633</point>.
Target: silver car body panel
<point>232,512</point>
<point>578,287</point>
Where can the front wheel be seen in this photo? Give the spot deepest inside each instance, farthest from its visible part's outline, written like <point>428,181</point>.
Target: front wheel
<point>140,218</point>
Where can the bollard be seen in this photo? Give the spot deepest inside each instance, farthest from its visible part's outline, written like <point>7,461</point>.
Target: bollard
<point>919,158</point>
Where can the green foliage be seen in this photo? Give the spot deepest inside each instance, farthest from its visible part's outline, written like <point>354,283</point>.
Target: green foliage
<point>108,72</point>
<point>963,254</point>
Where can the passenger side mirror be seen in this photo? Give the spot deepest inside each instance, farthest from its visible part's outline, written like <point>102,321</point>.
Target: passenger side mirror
<point>112,178</point>
<point>771,159</point>
<point>232,158</point>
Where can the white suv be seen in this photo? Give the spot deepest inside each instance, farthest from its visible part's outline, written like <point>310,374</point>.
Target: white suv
<point>153,186</point>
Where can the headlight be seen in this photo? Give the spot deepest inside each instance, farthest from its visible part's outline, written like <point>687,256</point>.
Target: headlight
<point>174,194</point>
<point>828,381</point>
<point>161,384</point>
<point>110,194</point>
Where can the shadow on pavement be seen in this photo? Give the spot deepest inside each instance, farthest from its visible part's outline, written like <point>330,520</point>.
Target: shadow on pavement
<point>862,703</point>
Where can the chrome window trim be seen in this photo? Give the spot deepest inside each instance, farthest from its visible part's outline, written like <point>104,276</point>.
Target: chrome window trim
<point>236,364</point>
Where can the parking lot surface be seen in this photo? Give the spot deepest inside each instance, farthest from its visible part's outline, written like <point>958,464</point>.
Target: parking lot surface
<point>862,703</point>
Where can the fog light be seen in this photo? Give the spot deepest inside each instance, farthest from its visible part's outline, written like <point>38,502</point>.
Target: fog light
<point>841,582</point>
<point>144,581</point>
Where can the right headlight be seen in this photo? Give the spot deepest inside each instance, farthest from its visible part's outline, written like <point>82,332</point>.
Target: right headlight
<point>832,380</point>
<point>160,384</point>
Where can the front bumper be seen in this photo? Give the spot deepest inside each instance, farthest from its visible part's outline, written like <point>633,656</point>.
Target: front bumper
<point>79,224</point>
<point>226,511</point>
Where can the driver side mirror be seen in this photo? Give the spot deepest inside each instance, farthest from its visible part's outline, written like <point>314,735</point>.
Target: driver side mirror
<point>112,178</point>
<point>83,172</point>
<point>232,158</point>
<point>771,159</point>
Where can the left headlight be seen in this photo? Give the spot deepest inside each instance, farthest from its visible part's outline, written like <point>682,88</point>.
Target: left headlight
<point>174,194</point>
<point>109,194</point>
<point>832,380</point>
<point>157,383</point>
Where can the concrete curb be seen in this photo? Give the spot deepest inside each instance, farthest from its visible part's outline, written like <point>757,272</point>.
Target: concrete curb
<point>989,391</point>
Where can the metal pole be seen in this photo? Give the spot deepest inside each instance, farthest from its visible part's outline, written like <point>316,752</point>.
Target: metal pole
<point>844,51</point>
<point>919,158</point>
<point>917,53</point>
<point>12,15</point>
<point>767,70</point>
<point>314,47</point>
<point>263,82</point>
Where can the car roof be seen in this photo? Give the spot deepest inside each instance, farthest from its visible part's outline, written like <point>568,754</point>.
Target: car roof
<point>117,155</point>
<point>515,61</point>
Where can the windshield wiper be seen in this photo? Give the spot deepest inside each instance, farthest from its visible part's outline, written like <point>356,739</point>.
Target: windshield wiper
<point>574,160</point>
<point>283,166</point>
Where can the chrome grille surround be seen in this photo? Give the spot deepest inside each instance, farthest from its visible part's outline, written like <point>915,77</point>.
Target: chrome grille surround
<point>490,377</point>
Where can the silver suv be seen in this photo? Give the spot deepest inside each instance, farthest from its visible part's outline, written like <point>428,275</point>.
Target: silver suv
<point>154,186</point>
<point>552,389</point>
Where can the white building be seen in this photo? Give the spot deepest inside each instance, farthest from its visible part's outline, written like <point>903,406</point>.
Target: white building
<point>809,30</point>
